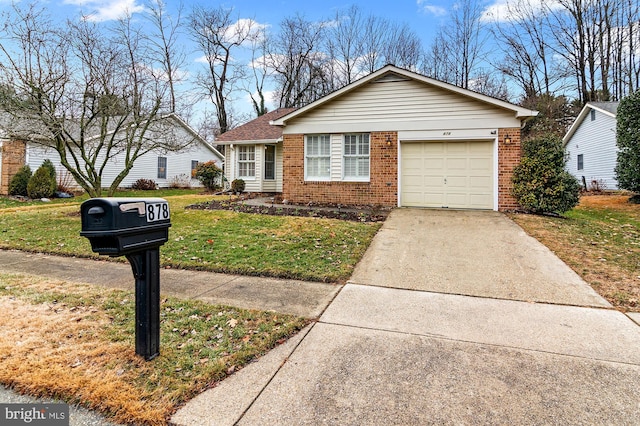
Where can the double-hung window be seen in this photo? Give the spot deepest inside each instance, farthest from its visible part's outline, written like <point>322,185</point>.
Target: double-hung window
<point>246,161</point>
<point>162,167</point>
<point>355,163</point>
<point>317,157</point>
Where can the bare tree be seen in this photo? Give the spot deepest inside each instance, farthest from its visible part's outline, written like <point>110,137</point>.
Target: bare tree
<point>402,47</point>
<point>375,31</point>
<point>460,44</point>
<point>524,37</point>
<point>260,70</point>
<point>345,45</point>
<point>90,93</point>
<point>218,36</point>
<point>165,44</point>
<point>298,62</point>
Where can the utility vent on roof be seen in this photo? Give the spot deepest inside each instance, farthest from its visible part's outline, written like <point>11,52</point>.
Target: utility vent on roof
<point>391,77</point>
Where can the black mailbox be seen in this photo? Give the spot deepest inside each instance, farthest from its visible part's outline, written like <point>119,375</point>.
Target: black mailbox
<point>118,226</point>
<point>135,228</point>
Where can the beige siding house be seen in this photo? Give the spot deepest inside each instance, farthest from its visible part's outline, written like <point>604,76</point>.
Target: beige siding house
<point>393,138</point>
<point>397,138</point>
<point>253,153</point>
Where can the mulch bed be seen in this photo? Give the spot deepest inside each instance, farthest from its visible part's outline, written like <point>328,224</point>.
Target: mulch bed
<point>354,213</point>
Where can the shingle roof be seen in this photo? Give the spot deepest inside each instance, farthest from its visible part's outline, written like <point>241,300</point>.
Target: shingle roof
<point>611,107</point>
<point>258,129</point>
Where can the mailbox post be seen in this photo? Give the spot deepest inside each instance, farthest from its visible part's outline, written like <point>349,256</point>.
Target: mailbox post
<point>134,228</point>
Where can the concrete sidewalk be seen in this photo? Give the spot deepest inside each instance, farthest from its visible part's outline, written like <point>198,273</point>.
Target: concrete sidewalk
<point>426,333</point>
<point>302,298</point>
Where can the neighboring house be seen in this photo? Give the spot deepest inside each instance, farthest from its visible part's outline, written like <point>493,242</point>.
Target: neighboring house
<point>590,145</point>
<point>397,138</point>
<point>253,153</point>
<point>164,168</point>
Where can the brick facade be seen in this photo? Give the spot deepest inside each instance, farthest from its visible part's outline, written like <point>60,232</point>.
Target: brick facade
<point>508,159</point>
<point>382,189</point>
<point>13,157</point>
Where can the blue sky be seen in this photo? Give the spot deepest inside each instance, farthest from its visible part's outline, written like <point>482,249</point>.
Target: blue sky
<point>424,17</point>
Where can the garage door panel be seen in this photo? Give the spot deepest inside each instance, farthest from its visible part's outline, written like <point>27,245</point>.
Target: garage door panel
<point>432,148</point>
<point>453,164</point>
<point>456,174</point>
<point>456,183</point>
<point>483,164</point>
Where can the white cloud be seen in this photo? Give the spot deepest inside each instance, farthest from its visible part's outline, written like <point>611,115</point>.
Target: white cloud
<point>431,9</point>
<point>244,28</point>
<point>107,10</point>
<point>517,10</point>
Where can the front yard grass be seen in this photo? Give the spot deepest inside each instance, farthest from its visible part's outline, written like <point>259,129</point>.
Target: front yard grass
<point>75,342</point>
<point>221,241</point>
<point>600,240</point>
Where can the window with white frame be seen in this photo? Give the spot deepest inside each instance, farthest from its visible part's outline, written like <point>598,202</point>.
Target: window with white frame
<point>317,157</point>
<point>194,166</point>
<point>246,161</point>
<point>162,167</point>
<point>355,164</point>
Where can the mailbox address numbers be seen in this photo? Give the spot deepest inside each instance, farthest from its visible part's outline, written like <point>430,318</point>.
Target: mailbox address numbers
<point>157,211</point>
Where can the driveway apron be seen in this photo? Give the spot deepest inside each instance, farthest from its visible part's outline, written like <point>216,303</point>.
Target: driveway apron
<point>451,317</point>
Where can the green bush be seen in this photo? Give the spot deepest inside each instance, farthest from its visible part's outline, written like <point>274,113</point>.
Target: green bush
<point>48,165</point>
<point>41,184</point>
<point>19,181</point>
<point>628,140</point>
<point>209,175</point>
<point>237,185</point>
<point>540,182</point>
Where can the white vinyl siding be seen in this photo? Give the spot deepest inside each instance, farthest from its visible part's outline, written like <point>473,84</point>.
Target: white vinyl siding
<point>257,183</point>
<point>178,163</point>
<point>356,157</point>
<point>317,157</point>
<point>401,106</point>
<point>596,142</point>
<point>336,158</point>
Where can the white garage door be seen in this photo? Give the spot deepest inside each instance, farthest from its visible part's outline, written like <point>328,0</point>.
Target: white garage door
<point>447,174</point>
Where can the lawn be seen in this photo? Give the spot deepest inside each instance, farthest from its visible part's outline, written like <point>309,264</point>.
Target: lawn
<point>75,342</point>
<point>221,241</point>
<point>600,240</point>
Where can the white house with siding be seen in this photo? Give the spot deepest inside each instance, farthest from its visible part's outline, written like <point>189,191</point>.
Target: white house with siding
<point>590,146</point>
<point>162,167</point>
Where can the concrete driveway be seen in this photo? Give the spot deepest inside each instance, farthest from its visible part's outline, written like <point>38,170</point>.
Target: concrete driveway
<point>469,252</point>
<point>450,318</point>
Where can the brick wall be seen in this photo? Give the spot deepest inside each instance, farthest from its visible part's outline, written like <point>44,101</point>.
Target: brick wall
<point>382,188</point>
<point>508,159</point>
<point>13,157</point>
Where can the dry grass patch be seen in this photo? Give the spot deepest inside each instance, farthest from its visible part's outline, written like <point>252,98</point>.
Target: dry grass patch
<point>75,342</point>
<point>600,240</point>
